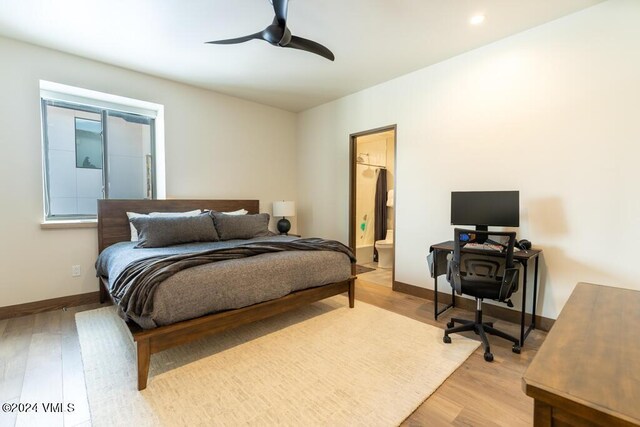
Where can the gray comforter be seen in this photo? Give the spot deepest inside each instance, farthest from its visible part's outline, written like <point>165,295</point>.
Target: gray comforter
<point>160,286</point>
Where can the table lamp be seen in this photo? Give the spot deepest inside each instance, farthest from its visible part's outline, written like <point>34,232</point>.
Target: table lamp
<point>284,209</point>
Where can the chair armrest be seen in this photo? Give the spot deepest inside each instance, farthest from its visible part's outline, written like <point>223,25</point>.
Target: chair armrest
<point>509,284</point>
<point>453,275</point>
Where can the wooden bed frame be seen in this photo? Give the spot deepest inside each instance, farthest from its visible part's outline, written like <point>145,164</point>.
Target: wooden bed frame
<point>113,227</point>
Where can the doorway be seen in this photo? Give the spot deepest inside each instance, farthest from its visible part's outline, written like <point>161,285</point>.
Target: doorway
<point>372,204</point>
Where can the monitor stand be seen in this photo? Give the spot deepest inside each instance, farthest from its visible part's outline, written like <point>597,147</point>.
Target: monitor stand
<point>481,239</point>
<point>484,239</point>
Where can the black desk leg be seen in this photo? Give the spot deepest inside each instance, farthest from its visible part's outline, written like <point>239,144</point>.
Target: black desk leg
<point>535,293</point>
<point>524,301</point>
<point>435,284</point>
<point>532,325</point>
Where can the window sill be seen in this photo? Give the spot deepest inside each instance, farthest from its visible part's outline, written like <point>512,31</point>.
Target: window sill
<point>66,224</point>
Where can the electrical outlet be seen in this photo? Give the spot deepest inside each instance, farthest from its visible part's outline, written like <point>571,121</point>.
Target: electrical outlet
<point>75,271</point>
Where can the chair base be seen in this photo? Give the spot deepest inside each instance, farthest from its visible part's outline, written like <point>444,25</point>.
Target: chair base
<point>482,329</point>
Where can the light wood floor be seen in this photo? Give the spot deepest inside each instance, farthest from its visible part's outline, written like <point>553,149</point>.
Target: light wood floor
<point>40,361</point>
<point>379,276</point>
<point>478,393</point>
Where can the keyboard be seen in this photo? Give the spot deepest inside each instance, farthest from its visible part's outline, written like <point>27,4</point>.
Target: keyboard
<point>484,246</point>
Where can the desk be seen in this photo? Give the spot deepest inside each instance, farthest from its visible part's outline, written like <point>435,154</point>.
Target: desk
<point>587,371</point>
<point>440,252</point>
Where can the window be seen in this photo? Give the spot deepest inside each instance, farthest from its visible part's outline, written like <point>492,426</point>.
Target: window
<point>92,150</point>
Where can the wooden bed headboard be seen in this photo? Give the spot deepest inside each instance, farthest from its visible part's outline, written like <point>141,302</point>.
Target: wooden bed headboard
<point>113,224</point>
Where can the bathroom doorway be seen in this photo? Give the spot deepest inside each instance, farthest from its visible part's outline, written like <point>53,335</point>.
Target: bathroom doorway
<point>372,204</point>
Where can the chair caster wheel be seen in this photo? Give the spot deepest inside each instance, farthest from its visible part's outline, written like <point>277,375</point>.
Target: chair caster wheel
<point>446,339</point>
<point>450,324</point>
<point>488,357</point>
<point>516,349</point>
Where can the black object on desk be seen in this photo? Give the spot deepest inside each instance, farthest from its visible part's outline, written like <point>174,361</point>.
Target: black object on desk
<point>440,251</point>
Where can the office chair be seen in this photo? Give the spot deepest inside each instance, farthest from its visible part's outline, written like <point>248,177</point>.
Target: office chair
<point>472,272</point>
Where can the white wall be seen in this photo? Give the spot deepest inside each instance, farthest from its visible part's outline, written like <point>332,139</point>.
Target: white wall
<point>216,147</point>
<point>366,181</point>
<point>553,112</point>
<point>391,176</point>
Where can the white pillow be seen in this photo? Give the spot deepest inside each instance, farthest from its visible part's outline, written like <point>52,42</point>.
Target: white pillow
<point>238,212</point>
<point>134,232</point>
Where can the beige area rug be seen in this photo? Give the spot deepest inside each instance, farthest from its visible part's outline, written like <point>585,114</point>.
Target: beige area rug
<point>323,364</point>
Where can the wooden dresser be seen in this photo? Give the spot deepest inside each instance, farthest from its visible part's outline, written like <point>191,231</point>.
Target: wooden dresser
<point>587,372</point>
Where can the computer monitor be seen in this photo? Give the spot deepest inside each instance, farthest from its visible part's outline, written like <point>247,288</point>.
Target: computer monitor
<point>483,209</point>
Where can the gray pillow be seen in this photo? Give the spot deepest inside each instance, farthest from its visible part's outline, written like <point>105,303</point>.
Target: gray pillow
<point>160,231</point>
<point>241,226</point>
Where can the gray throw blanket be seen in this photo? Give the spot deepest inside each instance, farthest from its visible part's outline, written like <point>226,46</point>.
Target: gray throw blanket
<point>135,286</point>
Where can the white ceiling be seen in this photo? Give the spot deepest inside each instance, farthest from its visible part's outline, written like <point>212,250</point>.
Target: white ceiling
<point>373,40</point>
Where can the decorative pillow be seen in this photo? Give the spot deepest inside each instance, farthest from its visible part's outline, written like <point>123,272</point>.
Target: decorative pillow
<point>231,227</point>
<point>134,232</point>
<point>160,231</point>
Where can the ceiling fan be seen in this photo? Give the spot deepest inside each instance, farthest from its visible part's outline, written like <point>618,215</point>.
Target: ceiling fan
<point>279,35</point>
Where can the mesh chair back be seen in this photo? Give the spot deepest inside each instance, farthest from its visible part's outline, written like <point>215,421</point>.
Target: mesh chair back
<point>469,266</point>
<point>481,268</point>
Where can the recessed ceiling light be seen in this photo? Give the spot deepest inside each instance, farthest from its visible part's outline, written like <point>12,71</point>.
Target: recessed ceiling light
<point>476,20</point>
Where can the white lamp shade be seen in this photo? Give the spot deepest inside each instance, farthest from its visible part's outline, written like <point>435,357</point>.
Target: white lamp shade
<point>390,198</point>
<point>282,208</point>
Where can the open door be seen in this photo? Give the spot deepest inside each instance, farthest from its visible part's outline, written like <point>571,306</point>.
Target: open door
<point>372,204</point>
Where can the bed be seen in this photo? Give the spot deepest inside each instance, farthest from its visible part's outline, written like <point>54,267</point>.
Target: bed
<point>166,330</point>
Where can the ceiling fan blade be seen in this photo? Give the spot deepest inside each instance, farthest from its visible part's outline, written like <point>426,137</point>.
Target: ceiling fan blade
<point>310,46</point>
<point>280,8</point>
<point>256,36</point>
<point>278,34</point>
